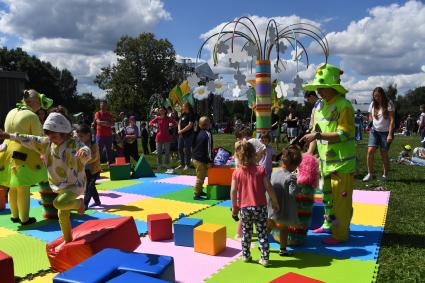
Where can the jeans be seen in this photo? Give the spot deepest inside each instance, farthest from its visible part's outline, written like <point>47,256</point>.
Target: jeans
<point>163,147</point>
<point>359,132</point>
<point>185,149</point>
<point>106,142</point>
<point>378,139</point>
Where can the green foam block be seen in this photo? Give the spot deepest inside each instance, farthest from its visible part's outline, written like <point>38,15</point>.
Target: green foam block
<point>143,169</point>
<point>218,192</point>
<point>319,267</point>
<point>120,171</point>
<point>29,254</point>
<point>218,215</point>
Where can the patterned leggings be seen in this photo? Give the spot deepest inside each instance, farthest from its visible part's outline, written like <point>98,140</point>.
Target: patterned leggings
<point>249,215</point>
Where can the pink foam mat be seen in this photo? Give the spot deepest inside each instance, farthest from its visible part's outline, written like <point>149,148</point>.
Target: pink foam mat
<point>371,197</point>
<point>110,199</point>
<point>189,265</point>
<point>181,180</point>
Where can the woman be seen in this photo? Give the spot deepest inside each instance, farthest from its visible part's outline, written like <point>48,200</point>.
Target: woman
<point>381,117</point>
<point>185,132</point>
<point>163,137</point>
<point>131,133</point>
<point>21,167</point>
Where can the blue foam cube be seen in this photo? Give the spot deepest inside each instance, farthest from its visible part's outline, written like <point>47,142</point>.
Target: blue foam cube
<point>183,231</point>
<point>129,276</point>
<point>110,263</point>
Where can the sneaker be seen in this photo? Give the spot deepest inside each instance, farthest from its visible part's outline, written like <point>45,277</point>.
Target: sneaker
<point>203,194</point>
<point>30,220</point>
<point>198,197</point>
<point>285,252</point>
<point>264,262</point>
<point>178,167</point>
<point>185,168</point>
<point>15,220</point>
<point>384,177</point>
<point>170,171</point>
<point>368,178</point>
<point>247,258</point>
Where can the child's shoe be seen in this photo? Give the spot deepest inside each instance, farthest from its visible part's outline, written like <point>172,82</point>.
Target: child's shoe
<point>285,252</point>
<point>247,258</point>
<point>264,262</point>
<point>30,220</point>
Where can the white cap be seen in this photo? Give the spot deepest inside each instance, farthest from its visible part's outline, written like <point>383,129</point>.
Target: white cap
<point>56,122</point>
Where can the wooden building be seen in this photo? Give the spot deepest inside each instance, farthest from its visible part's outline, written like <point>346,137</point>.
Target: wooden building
<point>12,85</point>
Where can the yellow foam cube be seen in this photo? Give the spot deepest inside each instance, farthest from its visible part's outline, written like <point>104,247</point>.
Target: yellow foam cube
<point>209,238</point>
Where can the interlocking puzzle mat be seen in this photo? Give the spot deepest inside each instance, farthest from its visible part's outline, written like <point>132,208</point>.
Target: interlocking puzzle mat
<point>355,260</point>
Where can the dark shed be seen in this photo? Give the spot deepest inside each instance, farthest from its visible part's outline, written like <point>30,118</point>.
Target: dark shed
<point>12,85</point>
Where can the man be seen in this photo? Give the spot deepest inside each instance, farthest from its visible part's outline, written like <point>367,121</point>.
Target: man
<point>410,125</point>
<point>312,99</point>
<point>104,122</point>
<point>334,134</point>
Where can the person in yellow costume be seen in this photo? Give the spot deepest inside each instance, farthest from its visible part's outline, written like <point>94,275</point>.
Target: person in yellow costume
<point>333,132</point>
<point>21,167</point>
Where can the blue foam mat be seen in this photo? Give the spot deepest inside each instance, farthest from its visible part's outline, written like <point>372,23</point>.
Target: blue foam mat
<point>33,203</point>
<point>158,176</point>
<point>226,203</point>
<point>363,244</point>
<point>152,189</point>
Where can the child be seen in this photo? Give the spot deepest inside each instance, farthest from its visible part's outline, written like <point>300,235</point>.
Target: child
<point>65,158</point>
<point>117,143</point>
<point>267,160</point>
<point>131,133</point>
<point>145,138</point>
<point>285,188</point>
<point>92,167</point>
<point>248,194</point>
<point>202,155</point>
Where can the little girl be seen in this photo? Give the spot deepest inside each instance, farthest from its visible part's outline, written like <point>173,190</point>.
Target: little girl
<point>65,158</point>
<point>248,194</point>
<point>285,188</point>
<point>92,167</point>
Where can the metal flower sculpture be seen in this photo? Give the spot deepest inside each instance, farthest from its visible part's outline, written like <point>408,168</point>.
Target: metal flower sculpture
<point>244,31</point>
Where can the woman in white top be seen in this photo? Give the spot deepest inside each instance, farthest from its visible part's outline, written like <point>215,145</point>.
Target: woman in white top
<point>381,115</point>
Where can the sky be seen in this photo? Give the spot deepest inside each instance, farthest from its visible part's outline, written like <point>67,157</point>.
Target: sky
<point>375,42</point>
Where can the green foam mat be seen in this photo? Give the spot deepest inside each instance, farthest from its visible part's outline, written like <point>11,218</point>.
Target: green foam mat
<point>111,185</point>
<point>218,215</point>
<point>186,195</point>
<point>318,267</point>
<point>29,254</point>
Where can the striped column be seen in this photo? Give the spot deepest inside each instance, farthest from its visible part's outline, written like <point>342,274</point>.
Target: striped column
<point>263,87</point>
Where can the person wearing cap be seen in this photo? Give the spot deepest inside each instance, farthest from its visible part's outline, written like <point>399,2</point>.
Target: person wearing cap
<point>64,158</point>
<point>131,133</point>
<point>333,131</point>
<point>21,167</point>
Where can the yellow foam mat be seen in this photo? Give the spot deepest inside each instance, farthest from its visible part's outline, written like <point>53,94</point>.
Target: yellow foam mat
<point>105,175</point>
<point>141,209</point>
<point>6,232</point>
<point>42,279</point>
<point>369,214</point>
<point>36,195</point>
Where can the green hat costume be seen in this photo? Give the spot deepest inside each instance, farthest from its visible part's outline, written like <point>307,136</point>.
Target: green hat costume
<point>327,76</point>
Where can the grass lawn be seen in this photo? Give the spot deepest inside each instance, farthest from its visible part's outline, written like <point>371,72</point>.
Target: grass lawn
<point>402,254</point>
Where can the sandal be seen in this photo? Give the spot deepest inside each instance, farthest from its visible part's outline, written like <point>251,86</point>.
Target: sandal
<point>15,220</point>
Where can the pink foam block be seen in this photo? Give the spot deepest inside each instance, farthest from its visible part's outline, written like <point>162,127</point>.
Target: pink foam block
<point>371,197</point>
<point>190,266</point>
<point>114,198</point>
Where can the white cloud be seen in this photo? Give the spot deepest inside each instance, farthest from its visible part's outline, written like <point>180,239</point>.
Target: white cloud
<point>78,35</point>
<point>391,40</point>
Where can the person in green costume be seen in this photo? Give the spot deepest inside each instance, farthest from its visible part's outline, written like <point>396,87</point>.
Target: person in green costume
<point>21,167</point>
<point>334,131</point>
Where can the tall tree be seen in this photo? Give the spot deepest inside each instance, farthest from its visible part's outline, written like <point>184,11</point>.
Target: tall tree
<point>145,66</point>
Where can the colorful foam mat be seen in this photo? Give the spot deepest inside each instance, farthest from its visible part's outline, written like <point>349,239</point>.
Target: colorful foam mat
<point>353,261</point>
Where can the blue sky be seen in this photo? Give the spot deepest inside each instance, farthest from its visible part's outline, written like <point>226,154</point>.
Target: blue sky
<point>375,42</point>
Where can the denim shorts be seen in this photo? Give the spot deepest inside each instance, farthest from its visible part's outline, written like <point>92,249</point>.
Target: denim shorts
<point>378,139</point>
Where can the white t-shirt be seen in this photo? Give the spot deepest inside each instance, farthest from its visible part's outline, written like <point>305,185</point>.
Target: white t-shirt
<point>381,124</point>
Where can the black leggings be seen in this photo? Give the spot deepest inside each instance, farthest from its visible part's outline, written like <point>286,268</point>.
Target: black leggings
<point>131,150</point>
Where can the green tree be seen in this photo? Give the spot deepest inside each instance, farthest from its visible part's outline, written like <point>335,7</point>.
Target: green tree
<point>145,66</point>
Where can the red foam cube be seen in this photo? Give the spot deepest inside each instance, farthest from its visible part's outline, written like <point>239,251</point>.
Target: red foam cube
<point>292,277</point>
<point>160,227</point>
<point>7,274</point>
<point>120,160</point>
<point>90,238</point>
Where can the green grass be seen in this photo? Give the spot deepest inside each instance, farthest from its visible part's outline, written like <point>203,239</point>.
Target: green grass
<point>402,256</point>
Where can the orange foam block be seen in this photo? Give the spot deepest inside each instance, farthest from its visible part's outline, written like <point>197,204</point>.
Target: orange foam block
<point>209,238</point>
<point>90,238</point>
<point>220,175</point>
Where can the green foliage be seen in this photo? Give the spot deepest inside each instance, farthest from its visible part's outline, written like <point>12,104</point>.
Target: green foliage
<point>409,103</point>
<point>145,66</point>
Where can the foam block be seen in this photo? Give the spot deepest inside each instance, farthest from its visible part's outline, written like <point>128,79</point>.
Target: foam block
<point>7,274</point>
<point>120,160</point>
<point>110,263</point>
<point>220,175</point>
<point>135,277</point>
<point>159,227</point>
<point>120,171</point>
<point>143,169</point>
<point>209,239</point>
<point>218,192</point>
<point>183,231</point>
<point>317,216</point>
<point>292,277</point>
<point>90,238</point>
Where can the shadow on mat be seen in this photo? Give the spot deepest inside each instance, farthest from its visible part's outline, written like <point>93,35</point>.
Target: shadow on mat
<point>109,195</point>
<point>121,208</point>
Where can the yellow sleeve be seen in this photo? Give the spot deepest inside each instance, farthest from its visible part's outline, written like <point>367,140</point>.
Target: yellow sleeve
<point>346,128</point>
<point>94,154</point>
<point>39,144</point>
